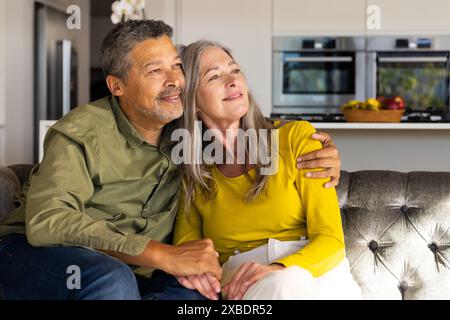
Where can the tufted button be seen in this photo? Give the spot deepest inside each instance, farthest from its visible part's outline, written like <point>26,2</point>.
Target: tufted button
<point>433,247</point>
<point>373,245</point>
<point>404,209</point>
<point>403,286</point>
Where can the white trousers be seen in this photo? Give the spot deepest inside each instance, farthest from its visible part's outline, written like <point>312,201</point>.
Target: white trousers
<point>292,283</point>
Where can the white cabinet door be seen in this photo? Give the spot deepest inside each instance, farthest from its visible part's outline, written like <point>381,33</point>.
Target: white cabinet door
<point>305,17</point>
<point>242,25</point>
<point>162,10</point>
<point>2,63</point>
<point>412,17</point>
<point>2,146</point>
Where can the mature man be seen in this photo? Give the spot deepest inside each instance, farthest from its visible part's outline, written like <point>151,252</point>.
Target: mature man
<point>101,204</point>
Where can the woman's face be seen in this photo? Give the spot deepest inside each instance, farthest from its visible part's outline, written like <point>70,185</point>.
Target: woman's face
<point>222,94</point>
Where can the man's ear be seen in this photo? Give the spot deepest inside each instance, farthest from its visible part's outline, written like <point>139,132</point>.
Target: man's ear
<point>115,85</point>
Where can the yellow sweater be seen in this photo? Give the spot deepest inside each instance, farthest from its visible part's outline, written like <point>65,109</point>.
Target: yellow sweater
<point>293,207</point>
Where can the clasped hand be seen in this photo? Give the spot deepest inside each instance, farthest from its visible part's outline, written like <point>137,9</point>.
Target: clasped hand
<point>247,274</point>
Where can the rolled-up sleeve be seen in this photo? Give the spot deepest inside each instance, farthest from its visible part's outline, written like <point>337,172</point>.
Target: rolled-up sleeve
<point>59,189</point>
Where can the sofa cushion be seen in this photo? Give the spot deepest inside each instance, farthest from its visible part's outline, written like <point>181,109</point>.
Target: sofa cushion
<point>397,233</point>
<point>396,226</point>
<point>22,171</point>
<point>9,185</point>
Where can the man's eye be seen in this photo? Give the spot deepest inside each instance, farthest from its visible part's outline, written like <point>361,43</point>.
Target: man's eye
<point>154,71</point>
<point>214,77</point>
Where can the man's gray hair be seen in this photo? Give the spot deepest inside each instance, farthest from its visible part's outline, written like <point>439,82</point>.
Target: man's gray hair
<point>121,40</point>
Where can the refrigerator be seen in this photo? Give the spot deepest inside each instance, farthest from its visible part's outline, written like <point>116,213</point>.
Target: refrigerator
<point>56,69</point>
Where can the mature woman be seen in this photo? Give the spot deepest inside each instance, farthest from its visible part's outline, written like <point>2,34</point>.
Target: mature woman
<point>279,236</point>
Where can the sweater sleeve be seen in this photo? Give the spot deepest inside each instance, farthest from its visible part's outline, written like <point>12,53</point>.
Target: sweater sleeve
<point>189,226</point>
<point>326,247</point>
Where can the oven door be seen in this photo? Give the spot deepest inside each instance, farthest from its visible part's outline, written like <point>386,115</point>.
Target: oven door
<point>317,82</point>
<point>420,78</point>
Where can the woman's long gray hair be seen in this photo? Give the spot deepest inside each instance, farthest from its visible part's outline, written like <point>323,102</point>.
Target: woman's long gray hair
<point>199,174</point>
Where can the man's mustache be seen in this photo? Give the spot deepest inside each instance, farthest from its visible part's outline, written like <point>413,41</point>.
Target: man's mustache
<point>170,92</point>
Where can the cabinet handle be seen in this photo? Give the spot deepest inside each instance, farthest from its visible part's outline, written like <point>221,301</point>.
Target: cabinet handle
<point>412,59</point>
<point>319,59</point>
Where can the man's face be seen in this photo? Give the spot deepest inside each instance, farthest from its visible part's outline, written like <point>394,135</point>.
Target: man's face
<point>154,82</point>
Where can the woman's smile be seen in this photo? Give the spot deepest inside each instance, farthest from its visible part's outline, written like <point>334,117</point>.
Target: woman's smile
<point>234,97</point>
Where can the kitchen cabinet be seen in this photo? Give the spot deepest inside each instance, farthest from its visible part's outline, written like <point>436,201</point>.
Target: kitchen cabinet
<point>407,17</point>
<point>2,146</point>
<point>243,26</point>
<point>402,147</point>
<point>2,63</point>
<point>304,17</point>
<point>164,10</point>
<point>2,83</point>
<point>411,17</point>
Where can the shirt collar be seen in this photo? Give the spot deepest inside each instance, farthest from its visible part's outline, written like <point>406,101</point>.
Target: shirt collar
<point>132,136</point>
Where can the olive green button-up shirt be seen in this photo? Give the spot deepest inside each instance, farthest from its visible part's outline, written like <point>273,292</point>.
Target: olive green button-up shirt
<point>99,185</point>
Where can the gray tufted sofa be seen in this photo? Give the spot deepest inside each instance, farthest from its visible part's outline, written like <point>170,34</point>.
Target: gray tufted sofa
<point>397,229</point>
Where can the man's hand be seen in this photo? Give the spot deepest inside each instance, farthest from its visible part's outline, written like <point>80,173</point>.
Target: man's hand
<point>187,259</point>
<point>245,277</point>
<point>206,284</point>
<point>327,158</point>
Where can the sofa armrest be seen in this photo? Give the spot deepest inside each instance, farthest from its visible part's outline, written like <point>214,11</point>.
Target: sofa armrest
<point>9,185</point>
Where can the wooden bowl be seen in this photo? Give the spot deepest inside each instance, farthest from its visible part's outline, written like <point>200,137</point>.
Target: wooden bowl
<point>373,116</point>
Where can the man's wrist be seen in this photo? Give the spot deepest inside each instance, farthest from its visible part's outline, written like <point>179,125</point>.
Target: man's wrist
<point>155,254</point>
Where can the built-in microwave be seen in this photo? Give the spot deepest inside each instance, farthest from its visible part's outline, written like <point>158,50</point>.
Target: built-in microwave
<point>415,68</point>
<point>316,75</point>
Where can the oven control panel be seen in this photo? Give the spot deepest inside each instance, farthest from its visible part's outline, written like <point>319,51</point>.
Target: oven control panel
<point>420,43</point>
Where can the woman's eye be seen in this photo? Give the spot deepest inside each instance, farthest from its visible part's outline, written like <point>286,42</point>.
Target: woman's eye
<point>178,66</point>
<point>214,77</point>
<point>236,71</point>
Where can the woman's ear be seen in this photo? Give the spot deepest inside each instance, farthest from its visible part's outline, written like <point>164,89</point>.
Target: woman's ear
<point>115,85</point>
<point>198,113</point>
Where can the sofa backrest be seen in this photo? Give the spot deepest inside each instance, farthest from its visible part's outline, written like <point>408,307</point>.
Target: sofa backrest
<point>397,232</point>
<point>396,226</point>
<point>9,184</point>
<point>11,180</point>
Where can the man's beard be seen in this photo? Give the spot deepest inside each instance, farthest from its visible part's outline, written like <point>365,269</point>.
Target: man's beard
<point>165,114</point>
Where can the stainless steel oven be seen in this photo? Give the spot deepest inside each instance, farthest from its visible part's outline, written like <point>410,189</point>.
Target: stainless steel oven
<point>415,68</point>
<point>317,75</point>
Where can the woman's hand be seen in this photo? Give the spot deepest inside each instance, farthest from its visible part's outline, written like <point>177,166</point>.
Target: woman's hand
<point>327,158</point>
<point>206,284</point>
<point>245,277</point>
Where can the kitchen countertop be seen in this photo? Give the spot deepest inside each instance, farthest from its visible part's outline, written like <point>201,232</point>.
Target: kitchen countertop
<point>350,125</point>
<point>384,126</point>
<point>356,126</point>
